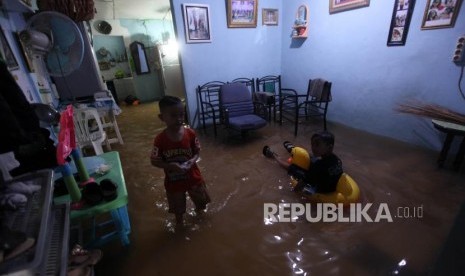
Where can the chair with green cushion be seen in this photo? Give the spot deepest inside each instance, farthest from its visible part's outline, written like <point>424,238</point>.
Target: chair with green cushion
<point>269,93</point>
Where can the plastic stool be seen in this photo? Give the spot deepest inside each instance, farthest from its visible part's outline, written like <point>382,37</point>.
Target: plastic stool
<point>120,219</point>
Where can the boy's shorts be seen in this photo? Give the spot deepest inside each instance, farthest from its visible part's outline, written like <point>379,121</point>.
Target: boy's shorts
<point>198,195</point>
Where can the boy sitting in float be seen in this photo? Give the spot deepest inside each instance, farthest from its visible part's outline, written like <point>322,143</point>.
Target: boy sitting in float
<point>320,177</point>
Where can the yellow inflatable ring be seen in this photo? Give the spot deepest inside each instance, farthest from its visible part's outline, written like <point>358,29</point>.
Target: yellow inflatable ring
<point>347,192</point>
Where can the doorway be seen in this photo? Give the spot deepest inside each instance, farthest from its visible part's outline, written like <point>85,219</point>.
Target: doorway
<point>169,70</point>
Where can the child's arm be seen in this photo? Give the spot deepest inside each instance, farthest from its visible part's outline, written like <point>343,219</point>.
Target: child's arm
<point>281,162</point>
<point>195,145</point>
<point>157,161</point>
<point>189,163</point>
<point>169,166</point>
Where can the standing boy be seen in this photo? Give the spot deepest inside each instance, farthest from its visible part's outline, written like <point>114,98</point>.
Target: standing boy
<point>176,150</point>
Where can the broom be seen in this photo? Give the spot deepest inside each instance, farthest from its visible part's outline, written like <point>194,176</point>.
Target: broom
<point>433,111</point>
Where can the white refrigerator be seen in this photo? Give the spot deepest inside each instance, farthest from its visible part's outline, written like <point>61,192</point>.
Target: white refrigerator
<point>169,70</point>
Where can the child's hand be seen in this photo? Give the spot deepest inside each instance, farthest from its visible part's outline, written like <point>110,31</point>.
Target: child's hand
<point>177,167</point>
<point>188,164</point>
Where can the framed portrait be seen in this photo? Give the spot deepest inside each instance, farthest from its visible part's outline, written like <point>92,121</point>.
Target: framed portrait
<point>400,22</point>
<point>270,17</point>
<point>345,5</point>
<point>197,23</point>
<point>242,13</point>
<point>440,14</point>
<point>6,54</point>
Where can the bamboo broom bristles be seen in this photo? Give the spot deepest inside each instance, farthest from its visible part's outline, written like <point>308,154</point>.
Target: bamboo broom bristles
<point>433,111</point>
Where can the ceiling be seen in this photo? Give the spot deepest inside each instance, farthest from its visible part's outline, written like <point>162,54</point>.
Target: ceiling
<point>132,9</point>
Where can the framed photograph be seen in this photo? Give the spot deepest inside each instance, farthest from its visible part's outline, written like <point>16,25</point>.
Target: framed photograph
<point>242,13</point>
<point>6,54</point>
<point>27,55</point>
<point>197,23</point>
<point>270,17</point>
<point>400,22</point>
<point>345,5</point>
<point>440,14</point>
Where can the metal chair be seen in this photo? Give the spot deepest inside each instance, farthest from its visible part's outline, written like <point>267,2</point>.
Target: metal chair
<point>312,104</point>
<point>268,93</point>
<point>237,108</point>
<point>208,96</point>
<point>250,83</point>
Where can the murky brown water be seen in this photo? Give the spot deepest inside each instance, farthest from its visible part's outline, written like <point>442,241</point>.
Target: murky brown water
<point>233,239</point>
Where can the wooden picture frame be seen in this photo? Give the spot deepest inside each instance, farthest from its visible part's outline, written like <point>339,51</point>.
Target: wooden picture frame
<point>345,5</point>
<point>400,22</point>
<point>440,14</point>
<point>242,13</point>
<point>6,54</point>
<point>197,23</point>
<point>270,17</point>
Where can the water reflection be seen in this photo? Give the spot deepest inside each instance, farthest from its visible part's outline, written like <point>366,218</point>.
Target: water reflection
<point>234,238</point>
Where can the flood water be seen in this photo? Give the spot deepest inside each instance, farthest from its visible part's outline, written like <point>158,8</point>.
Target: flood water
<point>233,238</point>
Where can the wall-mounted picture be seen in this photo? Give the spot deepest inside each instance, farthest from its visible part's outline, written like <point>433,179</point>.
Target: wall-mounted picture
<point>440,14</point>
<point>242,13</point>
<point>197,23</point>
<point>345,5</point>
<point>6,54</point>
<point>400,22</point>
<point>269,17</point>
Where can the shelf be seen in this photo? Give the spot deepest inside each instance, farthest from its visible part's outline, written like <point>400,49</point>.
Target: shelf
<point>16,6</point>
<point>300,27</point>
<point>55,260</point>
<point>47,224</point>
<point>303,34</point>
<point>32,220</point>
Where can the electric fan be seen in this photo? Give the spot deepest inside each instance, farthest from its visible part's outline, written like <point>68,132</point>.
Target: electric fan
<point>57,39</point>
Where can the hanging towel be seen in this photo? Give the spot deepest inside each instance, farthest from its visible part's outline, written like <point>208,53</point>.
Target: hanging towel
<point>316,88</point>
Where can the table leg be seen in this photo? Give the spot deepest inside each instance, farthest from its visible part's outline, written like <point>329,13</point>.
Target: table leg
<point>123,227</point>
<point>460,155</point>
<point>445,149</point>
